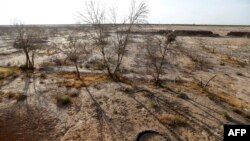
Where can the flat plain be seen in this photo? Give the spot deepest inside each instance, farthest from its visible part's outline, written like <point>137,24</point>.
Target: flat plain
<point>204,86</point>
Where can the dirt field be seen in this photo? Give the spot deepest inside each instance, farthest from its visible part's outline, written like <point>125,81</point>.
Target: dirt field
<point>184,108</point>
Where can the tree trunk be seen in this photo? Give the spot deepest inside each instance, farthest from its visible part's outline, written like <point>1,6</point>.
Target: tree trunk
<point>29,64</point>
<point>77,71</point>
<point>157,79</point>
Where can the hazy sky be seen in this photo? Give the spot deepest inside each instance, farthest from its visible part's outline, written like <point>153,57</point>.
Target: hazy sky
<point>161,11</point>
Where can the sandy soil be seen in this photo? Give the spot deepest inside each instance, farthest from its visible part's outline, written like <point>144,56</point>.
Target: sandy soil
<point>135,109</point>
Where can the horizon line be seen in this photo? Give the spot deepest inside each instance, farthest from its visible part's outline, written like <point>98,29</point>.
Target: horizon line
<point>2,25</point>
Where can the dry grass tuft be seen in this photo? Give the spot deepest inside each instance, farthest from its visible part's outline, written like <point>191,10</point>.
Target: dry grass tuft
<point>153,104</point>
<point>232,61</point>
<point>214,94</point>
<point>93,79</point>
<point>225,115</point>
<point>73,84</point>
<point>86,80</point>
<point>6,72</point>
<point>173,120</point>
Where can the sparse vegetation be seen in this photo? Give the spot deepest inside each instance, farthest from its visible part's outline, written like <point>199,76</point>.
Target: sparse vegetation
<point>215,95</point>
<point>63,100</point>
<point>28,39</point>
<point>6,72</point>
<point>206,84</point>
<point>113,49</point>
<point>76,50</point>
<point>225,115</point>
<point>86,80</point>
<point>16,96</point>
<point>95,65</point>
<point>43,76</point>
<point>153,104</point>
<point>173,120</point>
<point>222,63</point>
<point>233,61</point>
<point>158,49</point>
<point>123,78</point>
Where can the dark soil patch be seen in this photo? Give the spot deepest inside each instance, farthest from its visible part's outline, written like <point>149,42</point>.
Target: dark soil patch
<point>26,124</point>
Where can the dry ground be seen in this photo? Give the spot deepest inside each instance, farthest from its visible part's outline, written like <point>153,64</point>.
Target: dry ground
<point>181,109</point>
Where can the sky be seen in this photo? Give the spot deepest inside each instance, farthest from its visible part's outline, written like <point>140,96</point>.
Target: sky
<point>222,12</point>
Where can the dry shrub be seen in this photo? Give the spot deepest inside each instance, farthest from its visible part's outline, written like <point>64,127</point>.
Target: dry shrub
<point>173,120</point>
<point>95,65</point>
<point>28,39</point>
<point>16,96</point>
<point>225,115</point>
<point>43,76</point>
<point>113,49</point>
<point>63,100</point>
<point>153,104</point>
<point>59,62</point>
<point>159,50</point>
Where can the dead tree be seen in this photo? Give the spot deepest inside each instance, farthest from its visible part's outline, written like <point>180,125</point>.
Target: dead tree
<point>28,39</point>
<point>113,48</point>
<point>158,48</point>
<point>76,51</point>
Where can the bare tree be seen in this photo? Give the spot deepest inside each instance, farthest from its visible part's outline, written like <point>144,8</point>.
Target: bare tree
<point>76,51</point>
<point>158,48</point>
<point>113,48</point>
<point>28,39</point>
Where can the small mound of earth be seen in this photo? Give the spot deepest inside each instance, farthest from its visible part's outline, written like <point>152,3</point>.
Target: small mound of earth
<point>239,34</point>
<point>27,124</point>
<point>198,33</point>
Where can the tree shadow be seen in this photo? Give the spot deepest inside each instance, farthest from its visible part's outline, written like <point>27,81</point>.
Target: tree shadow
<point>200,106</point>
<point>167,106</point>
<point>23,121</point>
<point>105,120</point>
<point>8,80</point>
<point>172,135</point>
